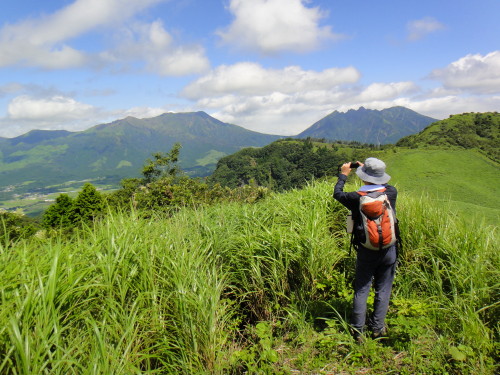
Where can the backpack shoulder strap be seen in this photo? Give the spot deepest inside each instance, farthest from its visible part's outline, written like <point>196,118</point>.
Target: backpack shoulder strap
<point>363,193</point>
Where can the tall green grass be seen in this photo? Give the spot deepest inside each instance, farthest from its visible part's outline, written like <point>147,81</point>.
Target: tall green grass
<point>184,294</point>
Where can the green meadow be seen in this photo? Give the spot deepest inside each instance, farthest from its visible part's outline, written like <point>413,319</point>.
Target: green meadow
<point>262,288</point>
<point>466,179</point>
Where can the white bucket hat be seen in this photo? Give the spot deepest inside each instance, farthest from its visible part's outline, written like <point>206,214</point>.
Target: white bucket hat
<point>373,171</point>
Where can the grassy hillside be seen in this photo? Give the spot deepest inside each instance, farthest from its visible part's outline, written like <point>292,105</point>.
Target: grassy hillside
<point>480,131</point>
<point>239,288</point>
<point>465,178</point>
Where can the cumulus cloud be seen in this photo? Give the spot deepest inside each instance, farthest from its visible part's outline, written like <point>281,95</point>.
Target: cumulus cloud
<point>383,91</point>
<point>45,42</point>
<point>418,29</point>
<point>153,44</point>
<point>286,101</point>
<point>474,73</point>
<point>56,108</point>
<point>270,26</point>
<point>253,79</point>
<point>141,112</point>
<point>25,113</point>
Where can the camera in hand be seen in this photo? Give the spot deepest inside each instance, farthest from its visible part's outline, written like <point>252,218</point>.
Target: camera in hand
<point>354,164</point>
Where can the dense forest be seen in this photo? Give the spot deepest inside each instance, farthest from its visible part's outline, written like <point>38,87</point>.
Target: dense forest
<point>285,164</point>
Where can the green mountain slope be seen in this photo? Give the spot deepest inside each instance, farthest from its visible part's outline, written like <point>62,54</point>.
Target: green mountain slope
<point>479,131</point>
<point>368,126</point>
<point>119,149</point>
<point>465,179</point>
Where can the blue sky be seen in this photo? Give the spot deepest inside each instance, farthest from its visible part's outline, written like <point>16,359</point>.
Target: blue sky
<point>273,66</point>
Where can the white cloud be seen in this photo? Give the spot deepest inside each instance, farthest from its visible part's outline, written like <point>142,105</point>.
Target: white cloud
<point>418,29</point>
<point>141,112</point>
<point>288,100</point>
<point>276,113</point>
<point>45,42</point>
<point>271,26</point>
<point>153,44</point>
<point>253,79</point>
<point>180,61</point>
<point>443,107</point>
<point>384,91</point>
<point>474,73</point>
<point>25,113</point>
<point>56,108</point>
<point>51,57</point>
<point>291,113</point>
<point>80,17</point>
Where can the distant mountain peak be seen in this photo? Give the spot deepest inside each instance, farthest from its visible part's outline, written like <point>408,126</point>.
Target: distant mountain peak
<point>368,125</point>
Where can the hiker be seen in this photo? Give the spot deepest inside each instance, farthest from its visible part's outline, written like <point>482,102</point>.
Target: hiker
<point>372,263</point>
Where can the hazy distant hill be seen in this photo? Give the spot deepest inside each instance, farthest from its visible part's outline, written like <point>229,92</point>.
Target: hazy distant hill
<point>368,125</point>
<point>469,130</point>
<point>119,149</point>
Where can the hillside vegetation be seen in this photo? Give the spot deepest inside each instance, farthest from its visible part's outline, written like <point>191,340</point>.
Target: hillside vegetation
<point>240,288</point>
<point>479,131</point>
<point>284,164</point>
<point>467,179</point>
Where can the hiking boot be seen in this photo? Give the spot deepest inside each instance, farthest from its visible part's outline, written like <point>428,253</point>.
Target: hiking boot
<point>357,336</point>
<point>380,333</point>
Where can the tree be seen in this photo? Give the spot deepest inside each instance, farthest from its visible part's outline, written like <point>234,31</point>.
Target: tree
<point>163,165</point>
<point>59,214</point>
<point>88,205</point>
<point>123,197</point>
<point>15,225</point>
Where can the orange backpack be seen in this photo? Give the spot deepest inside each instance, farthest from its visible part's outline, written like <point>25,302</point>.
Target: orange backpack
<point>379,226</point>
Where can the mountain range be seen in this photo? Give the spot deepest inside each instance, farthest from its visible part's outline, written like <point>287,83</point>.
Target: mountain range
<point>118,150</point>
<point>368,125</point>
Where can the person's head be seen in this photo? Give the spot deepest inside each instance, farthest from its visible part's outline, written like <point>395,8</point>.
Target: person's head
<point>373,171</point>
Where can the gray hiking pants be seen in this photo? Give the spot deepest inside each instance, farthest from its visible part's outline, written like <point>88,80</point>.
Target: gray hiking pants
<point>378,266</point>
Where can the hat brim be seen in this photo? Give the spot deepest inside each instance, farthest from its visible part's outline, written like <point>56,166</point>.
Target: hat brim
<point>373,179</point>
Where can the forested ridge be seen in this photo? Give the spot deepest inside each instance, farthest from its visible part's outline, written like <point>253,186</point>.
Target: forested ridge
<point>285,164</point>
<point>468,130</point>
